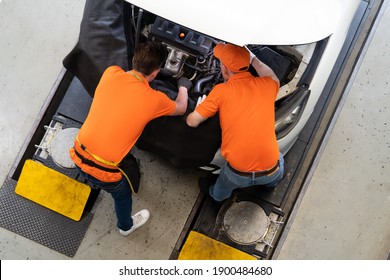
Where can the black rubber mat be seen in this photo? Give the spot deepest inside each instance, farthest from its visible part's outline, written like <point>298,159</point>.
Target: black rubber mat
<point>40,224</point>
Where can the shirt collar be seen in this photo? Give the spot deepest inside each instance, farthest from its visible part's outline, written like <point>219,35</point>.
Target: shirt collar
<point>138,76</point>
<point>240,75</point>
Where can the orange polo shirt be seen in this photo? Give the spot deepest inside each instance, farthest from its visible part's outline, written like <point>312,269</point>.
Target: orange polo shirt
<point>247,116</point>
<point>122,106</point>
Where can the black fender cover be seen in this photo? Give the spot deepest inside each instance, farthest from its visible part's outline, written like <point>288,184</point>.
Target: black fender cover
<point>102,42</point>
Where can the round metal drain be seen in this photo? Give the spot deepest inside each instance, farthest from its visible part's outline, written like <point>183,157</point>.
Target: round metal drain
<point>59,147</point>
<point>245,222</point>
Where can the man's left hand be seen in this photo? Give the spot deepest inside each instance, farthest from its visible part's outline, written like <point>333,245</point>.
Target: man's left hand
<point>200,100</point>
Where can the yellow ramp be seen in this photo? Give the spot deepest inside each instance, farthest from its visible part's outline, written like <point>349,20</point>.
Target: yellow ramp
<point>202,247</point>
<point>52,189</point>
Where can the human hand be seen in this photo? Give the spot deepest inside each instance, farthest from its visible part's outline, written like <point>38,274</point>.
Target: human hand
<point>200,100</point>
<point>184,82</point>
<point>251,55</point>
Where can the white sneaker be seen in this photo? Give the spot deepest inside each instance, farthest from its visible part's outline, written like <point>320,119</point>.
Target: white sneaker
<point>139,219</point>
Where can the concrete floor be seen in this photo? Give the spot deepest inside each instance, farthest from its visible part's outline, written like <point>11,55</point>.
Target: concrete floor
<point>344,213</point>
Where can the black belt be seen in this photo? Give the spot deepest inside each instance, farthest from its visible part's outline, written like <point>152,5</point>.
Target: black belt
<point>256,173</point>
<point>94,164</point>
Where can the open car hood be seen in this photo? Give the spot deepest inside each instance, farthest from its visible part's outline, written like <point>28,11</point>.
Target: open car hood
<point>276,22</point>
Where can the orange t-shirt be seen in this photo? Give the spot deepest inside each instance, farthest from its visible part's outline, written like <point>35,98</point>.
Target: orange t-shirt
<point>122,106</point>
<point>247,116</point>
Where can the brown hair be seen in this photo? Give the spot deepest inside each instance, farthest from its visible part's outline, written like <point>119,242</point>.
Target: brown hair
<point>148,57</point>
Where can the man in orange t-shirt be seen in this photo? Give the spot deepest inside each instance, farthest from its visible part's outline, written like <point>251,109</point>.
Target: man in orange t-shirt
<point>123,104</point>
<point>246,110</point>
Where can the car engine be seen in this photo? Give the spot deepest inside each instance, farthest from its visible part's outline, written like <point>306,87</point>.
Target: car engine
<point>190,54</point>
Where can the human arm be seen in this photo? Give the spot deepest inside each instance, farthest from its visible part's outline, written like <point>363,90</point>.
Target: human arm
<point>262,69</point>
<point>181,100</point>
<point>194,119</point>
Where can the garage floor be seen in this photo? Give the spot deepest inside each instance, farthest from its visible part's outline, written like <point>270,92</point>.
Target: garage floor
<point>344,212</point>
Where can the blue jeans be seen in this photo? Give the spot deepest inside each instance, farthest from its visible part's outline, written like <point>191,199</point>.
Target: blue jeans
<point>228,181</point>
<point>122,195</point>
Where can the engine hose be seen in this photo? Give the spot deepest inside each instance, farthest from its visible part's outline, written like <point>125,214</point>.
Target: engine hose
<point>200,82</point>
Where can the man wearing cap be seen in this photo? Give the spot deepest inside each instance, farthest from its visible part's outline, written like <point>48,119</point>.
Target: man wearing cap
<point>246,110</point>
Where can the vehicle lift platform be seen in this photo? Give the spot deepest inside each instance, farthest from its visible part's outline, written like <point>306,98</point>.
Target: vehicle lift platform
<point>249,225</point>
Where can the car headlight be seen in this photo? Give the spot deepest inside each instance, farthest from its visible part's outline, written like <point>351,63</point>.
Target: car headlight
<point>289,111</point>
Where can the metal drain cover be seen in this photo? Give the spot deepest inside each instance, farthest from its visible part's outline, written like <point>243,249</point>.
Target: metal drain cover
<point>245,222</point>
<point>60,145</point>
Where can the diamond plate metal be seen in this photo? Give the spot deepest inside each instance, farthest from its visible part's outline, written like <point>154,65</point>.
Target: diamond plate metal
<point>40,224</point>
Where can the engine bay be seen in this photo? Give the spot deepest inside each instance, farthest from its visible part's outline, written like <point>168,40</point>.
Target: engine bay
<point>191,54</point>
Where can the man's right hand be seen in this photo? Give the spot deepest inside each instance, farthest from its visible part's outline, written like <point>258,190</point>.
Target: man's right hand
<point>184,82</point>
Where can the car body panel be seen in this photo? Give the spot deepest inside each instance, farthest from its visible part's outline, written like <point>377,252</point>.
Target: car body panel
<point>332,51</point>
<point>277,22</point>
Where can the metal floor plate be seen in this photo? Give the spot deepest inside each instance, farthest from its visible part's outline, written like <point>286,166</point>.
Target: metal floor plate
<point>40,224</point>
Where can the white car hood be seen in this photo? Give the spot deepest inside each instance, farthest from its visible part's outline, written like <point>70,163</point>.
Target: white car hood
<point>268,22</point>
